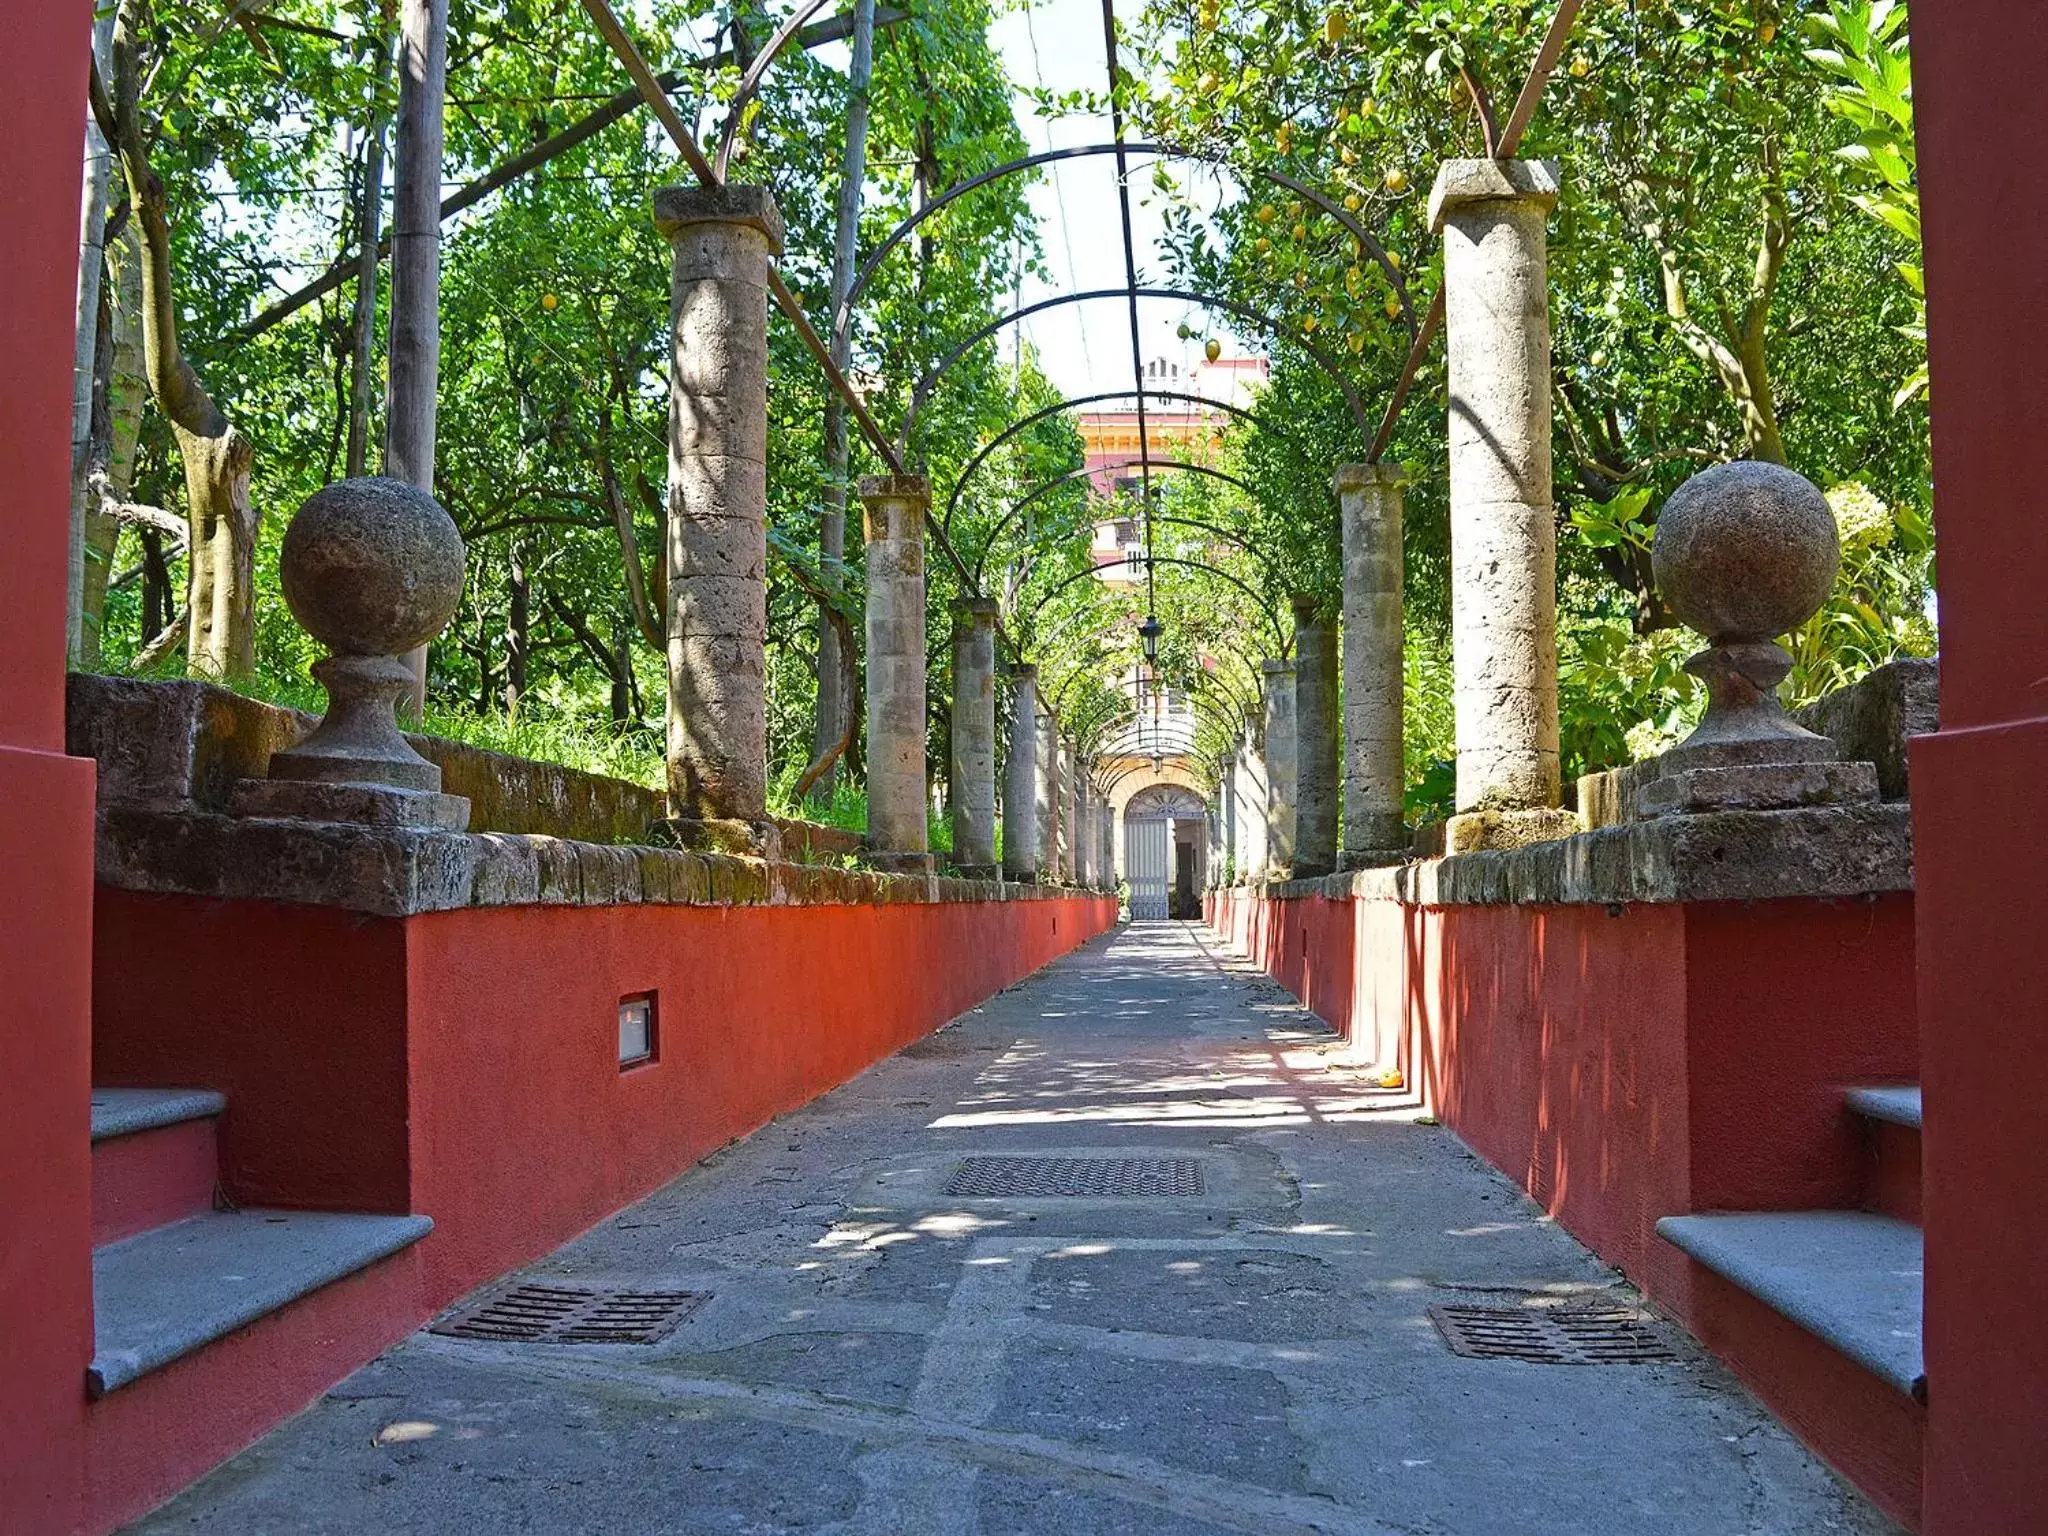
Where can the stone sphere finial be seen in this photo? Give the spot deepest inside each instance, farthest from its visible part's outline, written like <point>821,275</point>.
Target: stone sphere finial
<point>1746,551</point>
<point>372,567</point>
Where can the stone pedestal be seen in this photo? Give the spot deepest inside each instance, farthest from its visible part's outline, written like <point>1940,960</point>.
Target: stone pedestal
<point>1745,552</point>
<point>897,826</point>
<point>1316,779</point>
<point>1278,687</point>
<point>1048,797</point>
<point>1492,216</point>
<point>725,241</point>
<point>1020,778</point>
<point>372,568</point>
<point>1369,501</point>
<point>972,772</point>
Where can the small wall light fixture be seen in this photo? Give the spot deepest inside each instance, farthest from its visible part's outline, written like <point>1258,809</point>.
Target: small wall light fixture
<point>636,1029</point>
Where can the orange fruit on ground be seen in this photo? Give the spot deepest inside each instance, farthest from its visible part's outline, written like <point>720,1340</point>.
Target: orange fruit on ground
<point>548,302</point>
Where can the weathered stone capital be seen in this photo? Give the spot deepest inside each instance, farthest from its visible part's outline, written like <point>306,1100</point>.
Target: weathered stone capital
<point>975,612</point>
<point>1273,668</point>
<point>1462,183</point>
<point>1024,671</point>
<point>895,505</point>
<point>1359,477</point>
<point>677,208</point>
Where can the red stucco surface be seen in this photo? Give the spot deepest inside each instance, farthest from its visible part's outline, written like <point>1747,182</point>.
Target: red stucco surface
<point>151,1180</point>
<point>45,798</point>
<point>1980,819</point>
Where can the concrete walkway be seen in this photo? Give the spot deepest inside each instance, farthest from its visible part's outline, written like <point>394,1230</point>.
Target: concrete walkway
<point>878,1356</point>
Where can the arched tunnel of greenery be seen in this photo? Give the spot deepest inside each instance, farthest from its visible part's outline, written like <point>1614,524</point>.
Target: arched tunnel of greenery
<point>1733,274</point>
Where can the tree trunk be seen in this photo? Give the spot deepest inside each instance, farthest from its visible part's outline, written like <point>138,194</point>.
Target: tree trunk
<point>415,336</point>
<point>88,346</point>
<point>221,558</point>
<point>120,392</point>
<point>834,697</point>
<point>518,630</point>
<point>369,234</point>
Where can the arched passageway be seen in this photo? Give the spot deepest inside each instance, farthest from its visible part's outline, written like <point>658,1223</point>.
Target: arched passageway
<point>1164,851</point>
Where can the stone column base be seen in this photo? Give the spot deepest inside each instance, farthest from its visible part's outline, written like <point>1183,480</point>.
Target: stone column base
<point>1025,877</point>
<point>898,863</point>
<point>1494,831</point>
<point>371,805</point>
<point>1373,858</point>
<point>742,839</point>
<point>977,871</point>
<point>1757,787</point>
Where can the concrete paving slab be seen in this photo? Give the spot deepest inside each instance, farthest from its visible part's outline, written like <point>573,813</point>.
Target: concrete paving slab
<point>880,1358</point>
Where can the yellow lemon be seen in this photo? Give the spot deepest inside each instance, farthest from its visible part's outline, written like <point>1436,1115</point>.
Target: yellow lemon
<point>548,302</point>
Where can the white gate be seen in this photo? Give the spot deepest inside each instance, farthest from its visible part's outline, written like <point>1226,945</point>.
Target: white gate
<point>1147,844</point>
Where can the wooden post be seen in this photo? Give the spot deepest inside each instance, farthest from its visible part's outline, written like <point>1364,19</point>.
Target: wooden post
<point>415,340</point>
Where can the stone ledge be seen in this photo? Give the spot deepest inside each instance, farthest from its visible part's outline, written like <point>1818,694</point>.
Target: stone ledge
<point>185,745</point>
<point>403,872</point>
<point>1827,851</point>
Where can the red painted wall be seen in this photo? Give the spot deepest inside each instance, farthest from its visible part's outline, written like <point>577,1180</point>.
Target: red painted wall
<point>45,797</point>
<point>524,1129</point>
<point>1980,821</point>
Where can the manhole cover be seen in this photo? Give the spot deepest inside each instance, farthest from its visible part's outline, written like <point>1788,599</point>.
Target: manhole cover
<point>558,1314</point>
<point>1080,1177</point>
<point>1553,1336</point>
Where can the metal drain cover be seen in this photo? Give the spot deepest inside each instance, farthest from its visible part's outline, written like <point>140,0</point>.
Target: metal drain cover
<point>1126,1178</point>
<point>1590,1335</point>
<point>558,1314</point>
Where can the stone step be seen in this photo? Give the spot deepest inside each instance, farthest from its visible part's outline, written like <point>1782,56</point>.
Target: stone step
<point>155,1158</point>
<point>1850,1278</point>
<point>1892,1106</point>
<point>1891,1176</point>
<point>176,1289</point>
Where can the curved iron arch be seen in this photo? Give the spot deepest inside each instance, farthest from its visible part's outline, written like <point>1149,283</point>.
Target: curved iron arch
<point>1158,560</point>
<point>1237,412</point>
<point>1047,487</point>
<point>1323,361</point>
<point>1120,147</point>
<point>735,116</point>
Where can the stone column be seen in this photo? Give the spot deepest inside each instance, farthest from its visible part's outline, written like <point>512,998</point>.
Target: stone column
<point>1048,799</point>
<point>898,832</point>
<point>972,773</point>
<point>1221,839</point>
<point>724,240</point>
<point>1492,216</point>
<point>1251,809</point>
<point>1369,498</point>
<point>1020,778</point>
<point>1084,828</point>
<point>1280,761</point>
<point>1070,813</point>
<point>1316,785</point>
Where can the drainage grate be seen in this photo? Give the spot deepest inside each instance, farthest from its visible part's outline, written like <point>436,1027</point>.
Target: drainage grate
<point>1586,1335</point>
<point>557,1314</point>
<point>1081,1177</point>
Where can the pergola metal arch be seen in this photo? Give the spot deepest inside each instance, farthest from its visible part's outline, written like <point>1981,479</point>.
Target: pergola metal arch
<point>1322,200</point>
<point>1237,412</point>
<point>1286,643</point>
<point>1322,359</point>
<point>735,120</point>
<point>1047,486</point>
